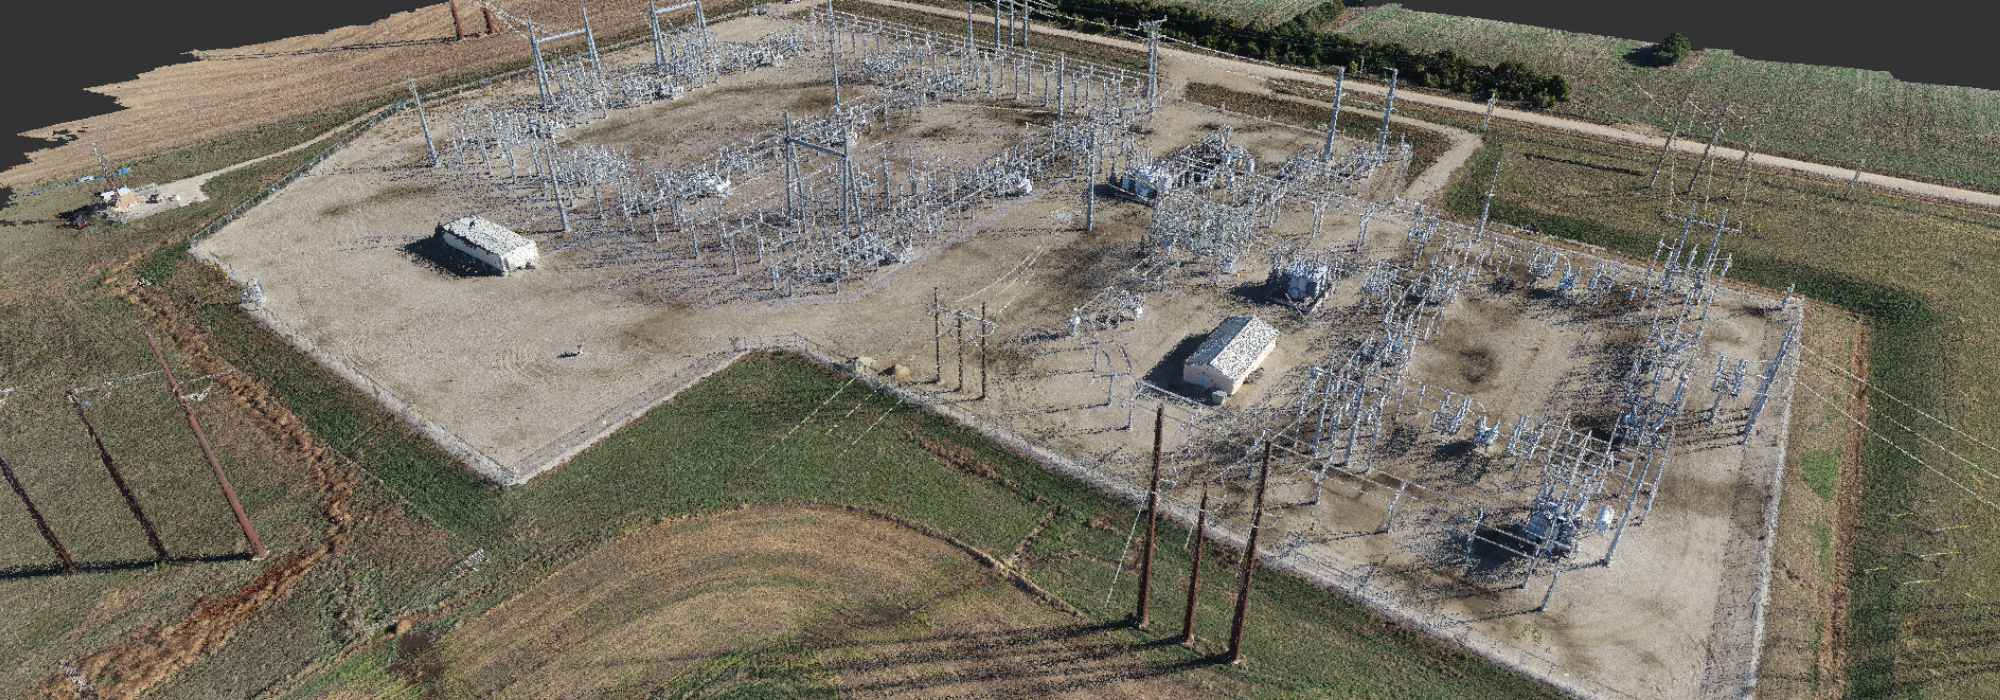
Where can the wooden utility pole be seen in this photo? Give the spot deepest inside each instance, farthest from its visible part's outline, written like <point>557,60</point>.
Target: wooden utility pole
<point>958,337</point>
<point>257,552</point>
<point>69,567</point>
<point>1194,572</point>
<point>489,18</point>
<point>1152,518</point>
<point>131,499</point>
<point>455,24</point>
<point>1249,559</point>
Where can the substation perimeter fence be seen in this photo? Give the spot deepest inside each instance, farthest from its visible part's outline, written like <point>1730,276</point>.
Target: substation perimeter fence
<point>451,442</point>
<point>1357,584</point>
<point>385,113</point>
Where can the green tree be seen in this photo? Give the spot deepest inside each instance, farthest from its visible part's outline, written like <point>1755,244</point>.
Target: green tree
<point>1674,49</point>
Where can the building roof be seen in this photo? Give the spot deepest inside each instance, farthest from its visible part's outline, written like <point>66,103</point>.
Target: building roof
<point>488,236</point>
<point>1233,346</point>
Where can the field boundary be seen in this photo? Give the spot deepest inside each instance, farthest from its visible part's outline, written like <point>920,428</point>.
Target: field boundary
<point>1354,584</point>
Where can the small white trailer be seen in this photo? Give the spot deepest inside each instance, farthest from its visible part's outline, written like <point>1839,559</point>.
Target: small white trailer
<point>490,243</point>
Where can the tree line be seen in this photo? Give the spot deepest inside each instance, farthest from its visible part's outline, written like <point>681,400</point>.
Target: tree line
<point>1301,42</point>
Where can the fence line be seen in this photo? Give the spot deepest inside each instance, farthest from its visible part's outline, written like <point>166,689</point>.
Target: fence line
<point>1356,584</point>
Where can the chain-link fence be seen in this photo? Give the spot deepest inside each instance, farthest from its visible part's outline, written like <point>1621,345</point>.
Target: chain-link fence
<point>1355,583</point>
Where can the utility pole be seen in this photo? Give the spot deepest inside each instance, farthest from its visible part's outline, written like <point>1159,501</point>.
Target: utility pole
<point>455,24</point>
<point>423,120</point>
<point>982,350</point>
<point>131,499</point>
<point>1678,113</point>
<point>1090,184</point>
<point>107,168</point>
<point>958,339</point>
<point>1333,118</point>
<point>1194,572</point>
<point>937,338</point>
<point>1152,518</point>
<point>1499,152</point>
<point>1153,62</point>
<point>257,552</point>
<point>1388,108</point>
<point>1249,559</point>
<point>1720,119</point>
<point>1490,99</point>
<point>69,567</point>
<point>1743,166</point>
<point>1849,194</point>
<point>833,52</point>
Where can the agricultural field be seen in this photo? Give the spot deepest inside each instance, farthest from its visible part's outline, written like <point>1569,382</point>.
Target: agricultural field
<point>1829,114</point>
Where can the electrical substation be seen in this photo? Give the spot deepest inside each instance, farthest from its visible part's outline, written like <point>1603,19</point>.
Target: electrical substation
<point>1489,434</point>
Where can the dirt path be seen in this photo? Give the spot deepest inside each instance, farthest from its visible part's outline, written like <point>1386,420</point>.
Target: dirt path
<point>1257,70</point>
<point>190,189</point>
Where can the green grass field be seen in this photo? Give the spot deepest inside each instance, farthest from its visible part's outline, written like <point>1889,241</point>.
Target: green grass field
<point>1821,113</point>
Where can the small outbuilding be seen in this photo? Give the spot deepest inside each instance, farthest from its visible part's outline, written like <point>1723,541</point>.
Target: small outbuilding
<point>1233,350</point>
<point>490,243</point>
